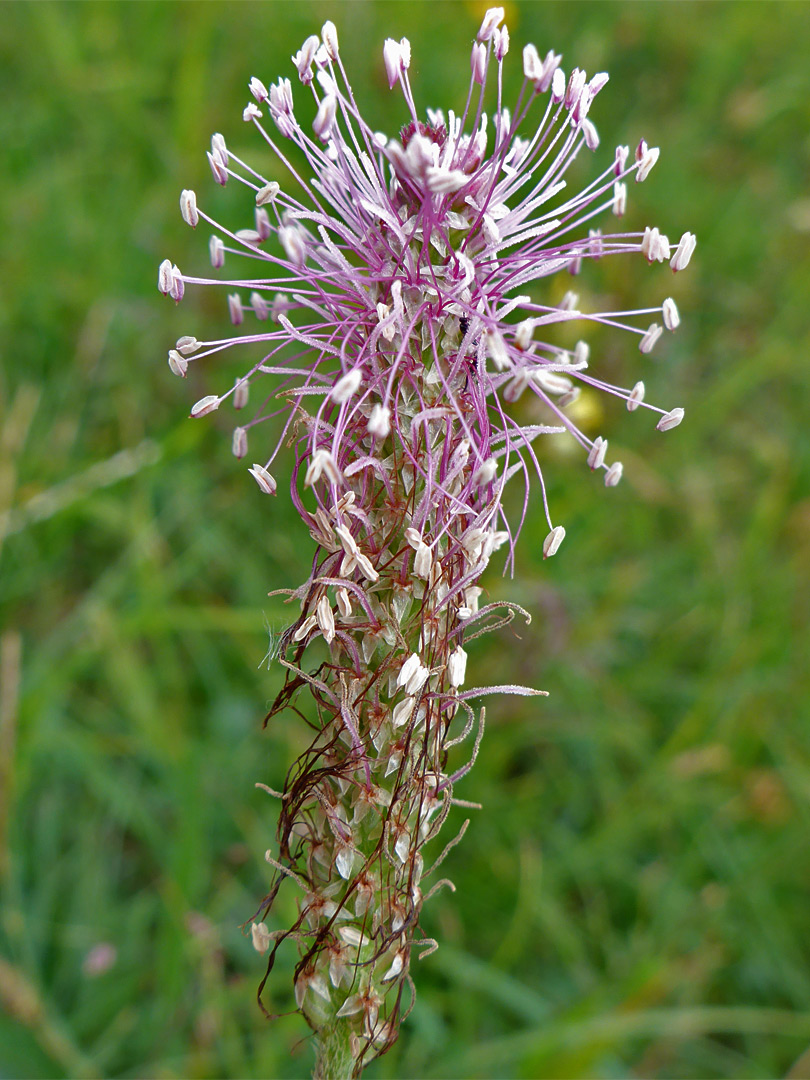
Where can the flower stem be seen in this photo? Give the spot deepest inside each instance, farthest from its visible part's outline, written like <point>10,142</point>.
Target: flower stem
<point>334,1058</point>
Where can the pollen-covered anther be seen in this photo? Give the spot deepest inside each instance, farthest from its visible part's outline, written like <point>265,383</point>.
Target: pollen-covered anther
<point>379,422</point>
<point>268,193</point>
<point>265,480</point>
<point>251,112</point>
<point>188,207</point>
<point>669,311</point>
<point>551,544</point>
<point>670,420</point>
<point>596,455</point>
<point>293,243</point>
<point>636,397</point>
<point>649,338</point>
<point>346,386</point>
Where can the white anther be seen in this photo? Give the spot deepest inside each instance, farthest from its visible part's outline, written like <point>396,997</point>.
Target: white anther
<point>500,41</point>
<point>670,312</point>
<point>614,474</point>
<point>478,63</point>
<point>187,345</point>
<point>325,117</point>
<point>326,620</point>
<point>344,602</point>
<point>486,472</point>
<point>265,480</point>
<point>457,666</point>
<point>558,86</point>
<point>241,392</point>
<point>235,309</point>
<point>330,40</point>
<point>304,57</point>
<point>178,364</point>
<point>217,251</point>
<point>596,455</point>
<point>683,252</point>
<point>493,18</point>
<point>497,351</point>
<point>292,241</point>
<point>261,309</point>
<point>260,936</point>
<point>523,334</point>
<point>239,443</point>
<point>188,207</point>
<point>532,64</point>
<point>409,668</point>
<point>582,351</point>
<point>322,463</point>
<point>670,420</point>
<point>590,134</point>
<point>258,89</point>
<point>379,423</point>
<point>423,561</point>
<point>392,56</point>
<point>552,542</point>
<point>636,397</point>
<point>308,624</point>
<point>346,386</point>
<point>402,712</point>
<point>647,161</point>
<point>267,194</point>
<point>347,540</point>
<point>649,339</point>
<point>619,198</point>
<point>205,405</point>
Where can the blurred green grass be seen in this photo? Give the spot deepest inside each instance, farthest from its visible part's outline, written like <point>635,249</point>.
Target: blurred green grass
<point>633,900</point>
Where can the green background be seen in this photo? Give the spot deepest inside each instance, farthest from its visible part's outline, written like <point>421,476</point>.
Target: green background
<point>633,899</point>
